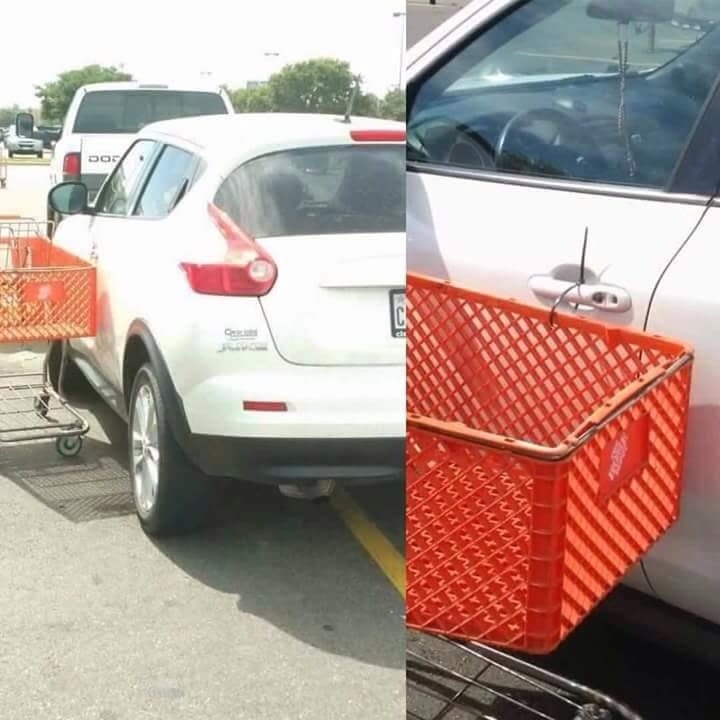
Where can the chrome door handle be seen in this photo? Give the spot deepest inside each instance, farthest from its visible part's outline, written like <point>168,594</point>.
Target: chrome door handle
<point>601,296</point>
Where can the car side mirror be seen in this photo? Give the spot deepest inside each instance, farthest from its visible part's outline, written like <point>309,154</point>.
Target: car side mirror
<point>70,198</point>
<point>24,125</point>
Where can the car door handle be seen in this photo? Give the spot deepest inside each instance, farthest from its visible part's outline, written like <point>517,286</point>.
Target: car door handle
<point>601,296</point>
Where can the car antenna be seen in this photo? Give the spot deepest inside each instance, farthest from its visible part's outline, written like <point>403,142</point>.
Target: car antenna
<point>351,100</point>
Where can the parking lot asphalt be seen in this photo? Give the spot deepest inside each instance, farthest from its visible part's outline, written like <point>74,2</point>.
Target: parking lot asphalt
<point>275,611</point>
<point>26,191</point>
<point>422,17</point>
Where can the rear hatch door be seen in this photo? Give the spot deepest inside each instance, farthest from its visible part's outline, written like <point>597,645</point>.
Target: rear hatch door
<point>333,219</point>
<point>339,299</point>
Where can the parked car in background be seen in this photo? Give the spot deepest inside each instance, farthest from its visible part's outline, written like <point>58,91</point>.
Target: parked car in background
<point>524,129</point>
<point>104,117</point>
<point>251,274</point>
<point>49,134</point>
<point>16,145</point>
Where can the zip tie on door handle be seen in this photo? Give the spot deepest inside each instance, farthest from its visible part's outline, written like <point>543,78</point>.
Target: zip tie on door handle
<point>578,284</point>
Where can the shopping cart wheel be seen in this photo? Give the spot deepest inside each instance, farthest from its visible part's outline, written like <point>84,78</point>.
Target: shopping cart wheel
<point>69,445</point>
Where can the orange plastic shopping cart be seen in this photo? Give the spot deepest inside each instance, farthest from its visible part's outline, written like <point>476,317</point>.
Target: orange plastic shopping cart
<point>46,295</point>
<point>544,458</point>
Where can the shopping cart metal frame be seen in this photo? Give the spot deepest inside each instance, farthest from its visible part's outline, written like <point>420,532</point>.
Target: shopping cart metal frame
<point>32,393</point>
<point>470,683</point>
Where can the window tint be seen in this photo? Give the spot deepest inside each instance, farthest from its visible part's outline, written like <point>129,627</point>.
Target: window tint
<point>549,90</point>
<point>170,177</point>
<point>319,191</point>
<point>128,111</point>
<point>117,192</point>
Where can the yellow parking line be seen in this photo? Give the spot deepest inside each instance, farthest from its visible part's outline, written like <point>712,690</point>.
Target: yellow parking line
<point>380,549</point>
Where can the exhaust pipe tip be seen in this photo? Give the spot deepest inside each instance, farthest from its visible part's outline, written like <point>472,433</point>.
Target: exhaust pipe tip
<point>316,490</point>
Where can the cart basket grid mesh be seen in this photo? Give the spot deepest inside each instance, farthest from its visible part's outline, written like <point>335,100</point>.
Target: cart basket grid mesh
<point>46,293</point>
<point>543,460</point>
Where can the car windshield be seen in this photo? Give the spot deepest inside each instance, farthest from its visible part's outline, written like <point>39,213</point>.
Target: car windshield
<point>128,111</point>
<point>561,38</point>
<point>319,191</point>
<point>604,91</point>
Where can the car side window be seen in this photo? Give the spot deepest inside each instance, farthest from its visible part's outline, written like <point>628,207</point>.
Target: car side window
<point>571,89</point>
<point>116,195</point>
<point>168,181</point>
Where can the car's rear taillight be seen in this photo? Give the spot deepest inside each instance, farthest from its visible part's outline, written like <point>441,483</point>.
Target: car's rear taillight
<point>71,165</point>
<point>247,269</point>
<point>378,135</point>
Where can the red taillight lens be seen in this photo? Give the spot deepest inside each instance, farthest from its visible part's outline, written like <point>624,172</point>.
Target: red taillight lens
<point>378,135</point>
<point>71,164</point>
<point>248,270</point>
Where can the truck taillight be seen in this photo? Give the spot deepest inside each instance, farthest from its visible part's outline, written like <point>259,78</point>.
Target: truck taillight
<point>71,165</point>
<point>247,269</point>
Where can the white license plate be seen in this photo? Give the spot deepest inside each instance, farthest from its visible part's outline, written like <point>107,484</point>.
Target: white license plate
<point>397,313</point>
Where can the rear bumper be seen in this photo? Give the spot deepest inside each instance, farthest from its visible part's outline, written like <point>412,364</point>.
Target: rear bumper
<point>25,150</point>
<point>297,460</point>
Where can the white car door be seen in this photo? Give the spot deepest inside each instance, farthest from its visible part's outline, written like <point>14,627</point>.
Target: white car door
<point>98,236</point>
<point>540,157</point>
<point>135,249</point>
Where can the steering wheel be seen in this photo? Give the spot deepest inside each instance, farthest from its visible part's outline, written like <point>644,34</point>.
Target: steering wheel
<point>455,144</point>
<point>467,150</point>
<point>564,128</point>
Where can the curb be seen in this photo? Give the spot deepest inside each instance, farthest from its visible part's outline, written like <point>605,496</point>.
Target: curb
<point>15,162</point>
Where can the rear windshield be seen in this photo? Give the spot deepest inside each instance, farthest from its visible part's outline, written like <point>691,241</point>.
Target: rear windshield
<point>128,111</point>
<point>319,191</point>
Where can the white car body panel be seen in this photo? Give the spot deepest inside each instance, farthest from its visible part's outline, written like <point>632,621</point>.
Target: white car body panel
<point>100,152</point>
<point>219,350</point>
<point>499,233</point>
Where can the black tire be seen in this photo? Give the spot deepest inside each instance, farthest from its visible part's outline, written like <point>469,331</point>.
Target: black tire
<point>11,154</point>
<point>39,156</point>
<point>74,381</point>
<point>182,499</point>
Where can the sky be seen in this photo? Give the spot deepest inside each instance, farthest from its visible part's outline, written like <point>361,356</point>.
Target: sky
<point>234,40</point>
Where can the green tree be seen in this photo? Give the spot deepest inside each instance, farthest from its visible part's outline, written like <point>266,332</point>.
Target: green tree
<point>255,99</point>
<point>322,85</point>
<point>56,96</point>
<point>367,105</point>
<point>392,106</point>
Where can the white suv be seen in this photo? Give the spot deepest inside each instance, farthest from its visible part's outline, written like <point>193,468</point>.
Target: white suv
<point>104,117</point>
<point>250,304</point>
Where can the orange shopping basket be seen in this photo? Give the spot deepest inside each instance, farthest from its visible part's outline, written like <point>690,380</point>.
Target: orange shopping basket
<point>46,293</point>
<point>544,458</point>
